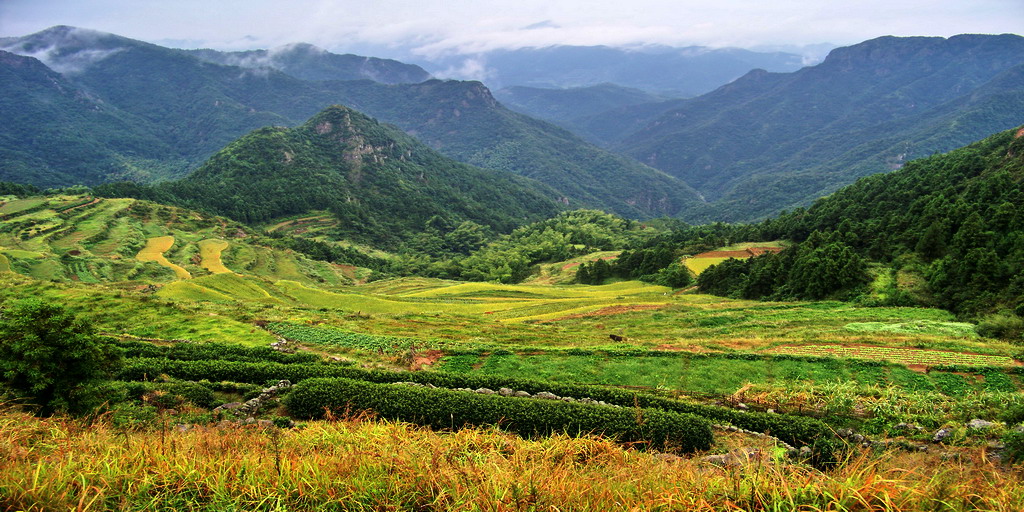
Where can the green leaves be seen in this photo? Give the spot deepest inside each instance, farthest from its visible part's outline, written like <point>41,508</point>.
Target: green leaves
<point>443,408</point>
<point>50,359</point>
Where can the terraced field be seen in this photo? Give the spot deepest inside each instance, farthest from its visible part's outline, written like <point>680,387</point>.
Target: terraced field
<point>154,251</point>
<point>89,240</point>
<point>210,252</point>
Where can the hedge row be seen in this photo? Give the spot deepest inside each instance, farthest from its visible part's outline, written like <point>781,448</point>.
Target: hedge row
<point>224,351</point>
<point>443,408</point>
<point>793,429</point>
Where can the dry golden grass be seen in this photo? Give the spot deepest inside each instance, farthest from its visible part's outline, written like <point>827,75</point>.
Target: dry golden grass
<point>698,265</point>
<point>210,251</point>
<point>54,464</point>
<point>154,251</point>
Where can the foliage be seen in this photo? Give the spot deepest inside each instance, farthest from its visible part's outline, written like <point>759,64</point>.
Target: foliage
<point>212,350</point>
<point>442,408</point>
<point>822,266</point>
<point>958,213</point>
<point>569,234</point>
<point>51,359</point>
<point>773,141</point>
<point>1014,441</point>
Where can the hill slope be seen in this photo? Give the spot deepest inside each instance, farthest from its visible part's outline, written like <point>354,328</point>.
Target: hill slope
<point>769,141</point>
<point>55,134</point>
<point>378,181</point>
<point>959,214</point>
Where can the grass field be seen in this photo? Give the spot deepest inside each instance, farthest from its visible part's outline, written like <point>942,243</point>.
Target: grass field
<point>698,265</point>
<point>700,262</point>
<point>357,464</point>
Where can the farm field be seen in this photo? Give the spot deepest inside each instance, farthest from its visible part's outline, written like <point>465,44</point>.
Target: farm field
<point>154,251</point>
<point>203,282</point>
<point>700,262</point>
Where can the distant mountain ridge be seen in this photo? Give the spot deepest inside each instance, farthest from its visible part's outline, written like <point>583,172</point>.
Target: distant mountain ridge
<point>309,62</point>
<point>196,108</point>
<point>662,70</point>
<point>771,141</point>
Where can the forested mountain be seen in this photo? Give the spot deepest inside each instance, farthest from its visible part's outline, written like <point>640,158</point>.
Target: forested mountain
<point>381,184</point>
<point>679,72</point>
<point>56,134</point>
<point>955,218</point>
<point>310,62</point>
<point>463,121</point>
<point>769,141</point>
<point>197,107</point>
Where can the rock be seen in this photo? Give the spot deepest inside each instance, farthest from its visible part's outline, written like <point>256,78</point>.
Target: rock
<point>844,432</point>
<point>771,411</point>
<point>805,451</point>
<point>742,406</point>
<point>522,394</point>
<point>857,438</point>
<point>505,392</point>
<point>941,435</point>
<point>980,424</point>
<point>265,423</point>
<point>950,456</point>
<point>182,427</point>
<point>735,458</point>
<point>1019,428</point>
<point>907,426</point>
<point>486,391</point>
<point>667,457</point>
<point>544,395</point>
<point>228,406</point>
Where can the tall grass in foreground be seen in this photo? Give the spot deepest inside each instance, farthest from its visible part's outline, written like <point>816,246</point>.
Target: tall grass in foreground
<point>56,464</point>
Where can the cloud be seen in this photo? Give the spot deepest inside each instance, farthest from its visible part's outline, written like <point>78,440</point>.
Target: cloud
<point>68,50</point>
<point>472,68</point>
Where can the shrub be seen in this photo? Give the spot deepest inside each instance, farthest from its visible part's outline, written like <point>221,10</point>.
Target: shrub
<point>795,430</point>
<point>443,408</point>
<point>1014,441</point>
<point>51,359</point>
<point>1003,326</point>
<point>1013,415</point>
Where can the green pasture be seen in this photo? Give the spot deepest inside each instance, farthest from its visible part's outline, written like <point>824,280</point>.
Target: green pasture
<point>714,374</point>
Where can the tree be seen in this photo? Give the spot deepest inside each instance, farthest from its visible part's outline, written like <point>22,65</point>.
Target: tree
<point>51,359</point>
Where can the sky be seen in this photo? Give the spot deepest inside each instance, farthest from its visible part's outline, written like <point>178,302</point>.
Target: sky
<point>432,29</point>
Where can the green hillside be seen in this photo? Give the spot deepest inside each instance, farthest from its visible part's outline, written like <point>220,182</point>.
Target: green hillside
<point>377,181</point>
<point>772,141</point>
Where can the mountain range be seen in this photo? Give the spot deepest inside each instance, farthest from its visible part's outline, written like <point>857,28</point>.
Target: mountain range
<point>655,69</point>
<point>197,107</point>
<point>88,107</point>
<point>771,141</point>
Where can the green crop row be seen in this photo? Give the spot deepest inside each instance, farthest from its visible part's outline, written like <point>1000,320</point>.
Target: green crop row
<point>443,408</point>
<point>338,337</point>
<point>212,351</point>
<point>793,429</point>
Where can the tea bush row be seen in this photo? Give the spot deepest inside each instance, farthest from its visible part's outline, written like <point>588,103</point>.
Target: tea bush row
<point>444,408</point>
